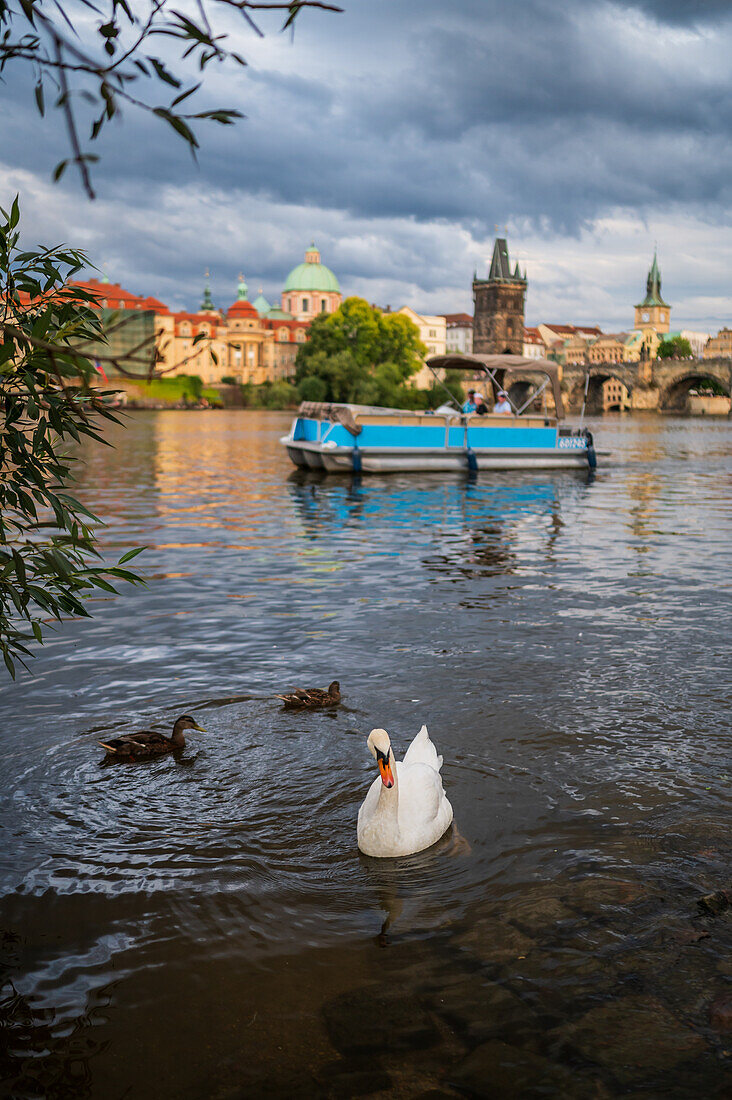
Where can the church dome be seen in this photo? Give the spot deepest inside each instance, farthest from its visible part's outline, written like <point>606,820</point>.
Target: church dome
<point>241,308</point>
<point>312,275</point>
<point>261,305</point>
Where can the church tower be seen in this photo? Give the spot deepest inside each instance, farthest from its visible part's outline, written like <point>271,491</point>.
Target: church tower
<point>653,313</point>
<point>498,320</point>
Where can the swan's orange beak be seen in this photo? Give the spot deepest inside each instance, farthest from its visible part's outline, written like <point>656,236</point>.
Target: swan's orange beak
<point>387,775</point>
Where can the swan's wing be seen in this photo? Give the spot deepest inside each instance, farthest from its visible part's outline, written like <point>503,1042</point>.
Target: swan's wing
<point>422,751</point>
<point>420,795</point>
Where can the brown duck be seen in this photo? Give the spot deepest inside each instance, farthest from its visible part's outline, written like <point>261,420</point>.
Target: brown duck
<point>147,743</point>
<point>313,697</point>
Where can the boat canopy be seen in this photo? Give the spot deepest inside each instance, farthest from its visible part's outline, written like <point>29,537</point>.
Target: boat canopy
<point>328,410</point>
<point>498,367</point>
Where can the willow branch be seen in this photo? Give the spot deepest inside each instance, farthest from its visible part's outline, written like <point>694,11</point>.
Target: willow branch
<point>70,121</point>
<point>116,361</point>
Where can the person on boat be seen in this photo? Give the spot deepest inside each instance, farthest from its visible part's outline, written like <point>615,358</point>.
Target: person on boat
<point>502,404</point>
<point>480,406</point>
<point>469,405</point>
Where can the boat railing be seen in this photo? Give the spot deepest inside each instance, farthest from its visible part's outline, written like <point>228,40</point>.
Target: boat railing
<point>355,417</point>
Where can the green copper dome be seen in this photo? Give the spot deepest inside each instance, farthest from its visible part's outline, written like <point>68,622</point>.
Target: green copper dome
<point>312,275</point>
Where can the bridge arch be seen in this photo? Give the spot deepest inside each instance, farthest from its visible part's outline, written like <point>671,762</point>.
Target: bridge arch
<point>518,391</point>
<point>598,377</point>
<point>675,393</point>
<point>520,386</point>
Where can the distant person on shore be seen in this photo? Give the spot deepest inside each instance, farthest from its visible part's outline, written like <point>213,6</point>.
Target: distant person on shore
<point>469,405</point>
<point>502,404</point>
<point>480,406</point>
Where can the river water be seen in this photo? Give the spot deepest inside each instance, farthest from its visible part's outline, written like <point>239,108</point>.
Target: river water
<point>204,926</point>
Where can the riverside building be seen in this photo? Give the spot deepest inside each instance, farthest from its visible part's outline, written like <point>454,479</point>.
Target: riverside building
<point>247,341</point>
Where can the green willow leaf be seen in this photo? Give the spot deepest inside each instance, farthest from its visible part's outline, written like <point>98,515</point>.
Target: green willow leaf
<point>50,561</point>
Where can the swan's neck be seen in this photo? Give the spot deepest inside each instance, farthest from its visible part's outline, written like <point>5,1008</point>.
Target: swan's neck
<point>389,797</point>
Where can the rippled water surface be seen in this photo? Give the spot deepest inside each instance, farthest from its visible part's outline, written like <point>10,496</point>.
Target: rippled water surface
<point>204,926</point>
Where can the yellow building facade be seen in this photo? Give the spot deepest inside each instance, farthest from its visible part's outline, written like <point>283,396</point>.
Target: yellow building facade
<point>433,334</point>
<point>719,346</point>
<point>241,343</point>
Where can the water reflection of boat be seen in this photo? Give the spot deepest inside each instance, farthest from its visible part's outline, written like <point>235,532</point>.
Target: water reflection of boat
<point>342,438</point>
<point>464,525</point>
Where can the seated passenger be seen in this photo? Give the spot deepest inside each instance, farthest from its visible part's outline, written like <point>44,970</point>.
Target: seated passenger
<point>502,404</point>
<point>480,406</point>
<point>469,405</point>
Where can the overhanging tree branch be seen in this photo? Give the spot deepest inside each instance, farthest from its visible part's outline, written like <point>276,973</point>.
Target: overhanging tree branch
<point>99,66</point>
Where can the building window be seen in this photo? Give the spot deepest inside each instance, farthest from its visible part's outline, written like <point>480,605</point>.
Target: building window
<point>323,305</point>
<point>433,334</point>
<point>300,335</point>
<point>305,305</point>
<point>283,334</point>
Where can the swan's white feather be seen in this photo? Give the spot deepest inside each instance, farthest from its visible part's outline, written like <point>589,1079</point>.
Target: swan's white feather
<point>414,814</point>
<point>423,751</point>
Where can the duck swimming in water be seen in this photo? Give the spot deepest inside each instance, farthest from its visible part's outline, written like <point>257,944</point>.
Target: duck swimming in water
<point>148,743</point>
<point>406,808</point>
<point>313,697</point>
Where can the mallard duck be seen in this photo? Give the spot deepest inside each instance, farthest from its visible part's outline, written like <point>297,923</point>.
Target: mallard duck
<point>406,809</point>
<point>140,746</point>
<point>313,697</point>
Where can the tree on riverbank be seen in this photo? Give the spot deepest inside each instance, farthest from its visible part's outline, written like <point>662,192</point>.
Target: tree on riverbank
<point>362,355</point>
<point>87,61</point>
<point>677,347</point>
<point>49,558</point>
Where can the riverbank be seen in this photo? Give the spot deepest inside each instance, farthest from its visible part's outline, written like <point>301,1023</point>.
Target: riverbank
<point>676,387</point>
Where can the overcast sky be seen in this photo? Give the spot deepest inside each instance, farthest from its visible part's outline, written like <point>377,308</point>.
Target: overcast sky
<point>399,134</point>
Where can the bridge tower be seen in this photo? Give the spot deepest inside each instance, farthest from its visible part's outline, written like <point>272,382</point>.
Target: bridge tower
<point>653,315</point>
<point>498,321</point>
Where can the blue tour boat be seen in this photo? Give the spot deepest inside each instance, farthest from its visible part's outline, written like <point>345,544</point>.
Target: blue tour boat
<point>343,438</point>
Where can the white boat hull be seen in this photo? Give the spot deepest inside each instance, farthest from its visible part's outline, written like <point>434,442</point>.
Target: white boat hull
<point>429,460</point>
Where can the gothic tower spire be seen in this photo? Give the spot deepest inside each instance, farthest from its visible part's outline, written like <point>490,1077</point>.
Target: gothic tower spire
<point>498,323</point>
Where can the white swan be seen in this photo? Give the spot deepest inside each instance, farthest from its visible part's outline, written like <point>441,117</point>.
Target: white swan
<point>406,809</point>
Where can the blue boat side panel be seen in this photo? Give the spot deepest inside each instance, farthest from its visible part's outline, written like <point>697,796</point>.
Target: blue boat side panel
<point>511,437</point>
<point>402,435</point>
<point>308,429</point>
<point>378,436</point>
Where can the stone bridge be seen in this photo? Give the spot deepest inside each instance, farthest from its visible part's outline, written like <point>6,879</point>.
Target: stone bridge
<point>662,384</point>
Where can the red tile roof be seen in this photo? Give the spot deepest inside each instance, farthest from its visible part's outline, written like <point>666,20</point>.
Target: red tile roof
<point>154,304</point>
<point>242,308</point>
<point>570,330</point>
<point>197,320</point>
<point>532,336</point>
<point>113,295</point>
<point>458,320</point>
<point>290,323</point>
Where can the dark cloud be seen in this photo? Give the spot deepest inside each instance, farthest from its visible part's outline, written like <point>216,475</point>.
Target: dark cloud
<point>469,114</point>
<point>689,13</point>
<point>544,112</point>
